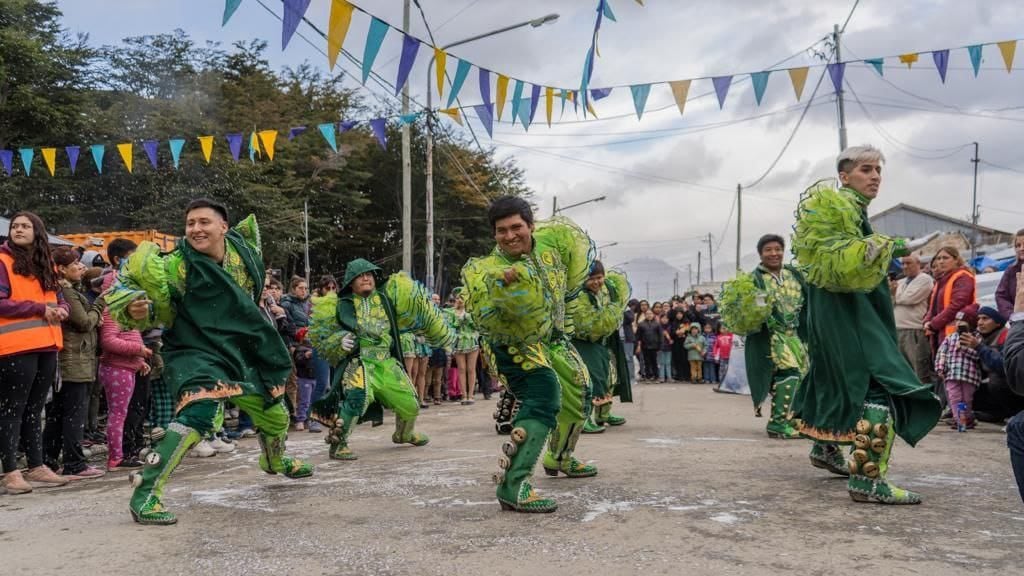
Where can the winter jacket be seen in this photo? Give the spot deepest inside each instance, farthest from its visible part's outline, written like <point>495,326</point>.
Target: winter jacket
<point>628,328</point>
<point>1007,290</point>
<point>297,309</point>
<point>694,345</point>
<point>649,334</point>
<point>723,347</point>
<point>303,365</point>
<point>120,348</point>
<point>81,335</point>
<point>709,345</point>
<point>666,338</point>
<point>938,317</point>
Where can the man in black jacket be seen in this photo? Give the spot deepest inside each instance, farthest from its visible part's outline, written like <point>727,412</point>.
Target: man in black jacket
<point>1013,354</point>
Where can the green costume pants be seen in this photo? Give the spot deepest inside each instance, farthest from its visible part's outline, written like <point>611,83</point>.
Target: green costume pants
<point>574,382</point>
<point>370,380</point>
<point>535,385</point>
<point>206,416</point>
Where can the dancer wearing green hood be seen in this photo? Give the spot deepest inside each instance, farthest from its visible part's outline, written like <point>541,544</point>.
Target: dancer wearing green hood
<point>859,390</point>
<point>358,331</point>
<point>216,344</point>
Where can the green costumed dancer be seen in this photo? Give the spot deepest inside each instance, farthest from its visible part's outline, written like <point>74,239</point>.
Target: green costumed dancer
<point>466,349</point>
<point>216,344</point>
<point>357,332</point>
<point>767,307</point>
<point>596,314</point>
<point>517,296</point>
<point>860,390</point>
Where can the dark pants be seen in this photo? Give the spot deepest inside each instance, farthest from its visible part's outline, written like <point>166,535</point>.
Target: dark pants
<point>680,366</point>
<point>710,371</point>
<point>138,407</point>
<point>24,381</point>
<point>1015,441</point>
<point>65,427</point>
<point>650,364</point>
<point>96,399</point>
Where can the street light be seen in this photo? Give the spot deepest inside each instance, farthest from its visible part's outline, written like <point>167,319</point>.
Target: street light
<point>535,23</point>
<point>556,208</point>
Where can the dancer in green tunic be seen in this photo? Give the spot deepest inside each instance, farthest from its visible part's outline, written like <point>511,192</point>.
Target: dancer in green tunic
<point>596,316</point>
<point>216,344</point>
<point>517,296</point>
<point>860,390</point>
<point>357,331</point>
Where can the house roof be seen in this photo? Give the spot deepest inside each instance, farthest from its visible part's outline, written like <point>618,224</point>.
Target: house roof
<point>937,215</point>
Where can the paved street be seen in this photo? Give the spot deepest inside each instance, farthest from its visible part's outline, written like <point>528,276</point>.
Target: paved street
<point>690,485</point>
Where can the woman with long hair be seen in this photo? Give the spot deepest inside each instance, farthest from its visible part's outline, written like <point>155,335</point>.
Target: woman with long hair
<point>954,290</point>
<point>466,349</point>
<point>31,311</point>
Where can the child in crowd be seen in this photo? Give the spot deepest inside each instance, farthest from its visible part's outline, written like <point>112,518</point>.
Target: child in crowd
<point>694,345</point>
<point>960,368</point>
<point>665,352</point>
<point>710,367</point>
<point>722,350</point>
<point>305,377</point>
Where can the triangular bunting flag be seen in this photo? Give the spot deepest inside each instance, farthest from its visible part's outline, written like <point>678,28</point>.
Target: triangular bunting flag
<point>440,66</point>
<point>337,29</point>
<point>98,150</point>
<point>485,86</point>
<point>680,89</point>
<point>798,76</point>
<point>206,145</point>
<point>722,84</point>
<point>760,82</point>
<point>294,10</point>
<point>836,71</point>
<point>7,159</point>
<point>524,114</point>
<point>599,93</point>
<point>229,9</point>
<point>408,118</point>
<point>50,159</point>
<point>1007,49</point>
<point>941,58</point>
<point>410,47</point>
<point>975,53</point>
<point>517,96</point>
<point>564,96</point>
<point>502,94</point>
<point>327,130</point>
<point>534,101</point>
<point>72,152</point>
<point>606,8</point>
<point>460,78</point>
<point>150,147</point>
<point>27,154</point>
<point>453,113</point>
<point>549,102</point>
<point>374,38</point>
<point>267,140</point>
<point>176,144</point>
<point>254,147</point>
<point>877,63</point>
<point>125,150</point>
<point>908,59</point>
<point>346,125</point>
<point>235,144</point>
<point>379,127</point>
<point>640,93</point>
<point>483,113</point>
<point>295,131</point>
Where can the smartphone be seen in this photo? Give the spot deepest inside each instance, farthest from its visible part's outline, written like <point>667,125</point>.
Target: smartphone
<point>963,329</point>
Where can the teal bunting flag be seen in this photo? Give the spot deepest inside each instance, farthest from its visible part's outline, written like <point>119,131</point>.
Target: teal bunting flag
<point>517,96</point>
<point>27,154</point>
<point>640,93</point>
<point>877,63</point>
<point>176,144</point>
<point>607,9</point>
<point>97,156</point>
<point>975,53</point>
<point>229,10</point>
<point>328,131</point>
<point>374,38</point>
<point>408,118</point>
<point>524,115</point>
<point>760,82</point>
<point>460,78</point>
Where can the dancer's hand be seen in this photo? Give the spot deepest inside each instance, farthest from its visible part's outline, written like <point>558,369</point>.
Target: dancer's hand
<point>511,275</point>
<point>139,309</point>
<point>348,342</point>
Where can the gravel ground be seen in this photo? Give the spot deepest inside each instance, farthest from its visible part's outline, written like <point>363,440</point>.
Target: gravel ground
<point>689,485</point>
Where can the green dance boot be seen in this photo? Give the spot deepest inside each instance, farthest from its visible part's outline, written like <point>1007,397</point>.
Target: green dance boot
<point>520,454</point>
<point>273,460</point>
<point>559,456</point>
<point>146,504</point>
<point>869,462</point>
<point>604,416</point>
<point>404,433</point>
<point>337,438</point>
<point>590,428</point>
<point>781,424</point>
<point>829,457</point>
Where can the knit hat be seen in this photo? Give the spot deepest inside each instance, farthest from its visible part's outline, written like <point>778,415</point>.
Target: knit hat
<point>968,314</point>
<point>993,314</point>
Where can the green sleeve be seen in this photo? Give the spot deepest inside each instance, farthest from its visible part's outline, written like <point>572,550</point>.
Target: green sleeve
<point>828,242</point>
<point>574,247</point>
<point>325,332</point>
<point>593,324</point>
<point>144,275</point>
<point>250,232</point>
<point>416,312</point>
<point>744,306</point>
<point>511,314</point>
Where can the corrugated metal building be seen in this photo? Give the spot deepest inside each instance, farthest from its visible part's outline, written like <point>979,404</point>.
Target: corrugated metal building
<point>905,221</point>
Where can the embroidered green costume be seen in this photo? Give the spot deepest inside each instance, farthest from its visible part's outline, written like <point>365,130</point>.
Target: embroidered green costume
<point>216,345</point>
<point>859,389</point>
<point>467,336</point>
<point>527,337</point>
<point>369,376</point>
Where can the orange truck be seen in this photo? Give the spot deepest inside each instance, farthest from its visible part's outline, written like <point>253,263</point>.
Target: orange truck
<point>98,241</point>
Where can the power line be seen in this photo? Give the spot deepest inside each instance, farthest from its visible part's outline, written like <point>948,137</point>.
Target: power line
<point>999,167</point>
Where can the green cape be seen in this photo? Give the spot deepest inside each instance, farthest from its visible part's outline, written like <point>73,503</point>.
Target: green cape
<point>758,346</point>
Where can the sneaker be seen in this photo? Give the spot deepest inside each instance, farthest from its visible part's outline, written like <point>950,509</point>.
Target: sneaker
<point>86,473</point>
<point>124,464</point>
<point>43,475</point>
<point>315,428</point>
<point>14,483</point>
<point>247,433</point>
<point>221,446</point>
<point>299,426</point>
<point>203,450</point>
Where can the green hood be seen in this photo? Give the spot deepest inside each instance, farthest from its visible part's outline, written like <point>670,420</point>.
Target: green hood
<point>354,269</point>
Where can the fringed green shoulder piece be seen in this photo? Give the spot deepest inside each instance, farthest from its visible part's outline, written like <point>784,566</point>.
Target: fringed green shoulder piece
<point>744,307</point>
<point>510,314</point>
<point>144,275</point>
<point>416,312</point>
<point>593,322</point>
<point>828,242</point>
<point>619,284</point>
<point>250,232</point>
<point>325,332</point>
<point>574,247</point>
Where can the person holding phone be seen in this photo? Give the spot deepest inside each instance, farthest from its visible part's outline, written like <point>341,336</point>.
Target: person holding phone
<point>959,367</point>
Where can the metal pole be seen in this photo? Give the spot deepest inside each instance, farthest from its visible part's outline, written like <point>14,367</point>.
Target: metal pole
<point>839,93</point>
<point>305,232</point>
<point>974,203</point>
<point>554,206</point>
<point>739,223</point>
<point>698,266</point>
<point>711,259</point>
<point>406,167</point>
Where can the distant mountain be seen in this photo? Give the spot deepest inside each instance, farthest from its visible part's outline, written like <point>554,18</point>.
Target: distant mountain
<point>653,279</point>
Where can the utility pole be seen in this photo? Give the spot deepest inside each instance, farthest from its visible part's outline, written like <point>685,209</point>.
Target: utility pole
<point>974,203</point>
<point>647,284</point>
<point>739,223</point>
<point>675,285</point>
<point>406,168</point>
<point>698,266</point>
<point>305,232</point>
<point>554,206</point>
<point>689,268</point>
<point>839,92</point>
<point>711,258</point>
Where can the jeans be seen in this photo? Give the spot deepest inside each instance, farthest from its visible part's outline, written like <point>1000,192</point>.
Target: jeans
<point>723,369</point>
<point>65,427</point>
<point>1015,441</point>
<point>628,348</point>
<point>664,364</point>
<point>305,396</point>
<point>710,371</point>
<point>322,374</point>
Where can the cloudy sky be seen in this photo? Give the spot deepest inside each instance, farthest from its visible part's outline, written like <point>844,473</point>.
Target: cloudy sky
<point>670,179</point>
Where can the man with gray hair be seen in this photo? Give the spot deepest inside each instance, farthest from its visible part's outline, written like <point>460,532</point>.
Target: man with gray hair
<point>859,390</point>
<point>910,299</point>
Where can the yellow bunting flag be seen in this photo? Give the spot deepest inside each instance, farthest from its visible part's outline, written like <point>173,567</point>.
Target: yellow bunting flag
<point>549,101</point>
<point>50,158</point>
<point>908,59</point>
<point>206,145</point>
<point>591,109</point>
<point>126,154</point>
<point>502,93</point>
<point>1008,49</point>
<point>268,137</point>
<point>337,28</point>
<point>254,145</point>
<point>453,113</point>
<point>440,62</point>
<point>798,76</point>
<point>680,89</point>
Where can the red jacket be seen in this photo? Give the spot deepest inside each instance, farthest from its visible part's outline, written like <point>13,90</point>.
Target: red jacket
<point>962,296</point>
<point>723,347</point>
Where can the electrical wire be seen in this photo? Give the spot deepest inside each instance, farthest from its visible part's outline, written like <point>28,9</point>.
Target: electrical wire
<point>999,167</point>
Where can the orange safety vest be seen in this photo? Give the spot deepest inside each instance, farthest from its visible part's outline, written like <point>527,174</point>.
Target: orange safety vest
<point>947,295</point>
<point>33,333</point>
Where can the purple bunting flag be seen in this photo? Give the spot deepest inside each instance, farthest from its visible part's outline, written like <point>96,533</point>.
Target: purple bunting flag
<point>294,10</point>
<point>599,93</point>
<point>346,125</point>
<point>7,157</point>
<point>941,58</point>
<point>410,46</point>
<point>72,157</point>
<point>483,112</point>
<point>722,84</point>
<point>379,127</point>
<point>295,131</point>
<point>534,100</point>
<point>485,86</point>
<point>234,144</point>
<point>836,71</point>
<point>150,147</point>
